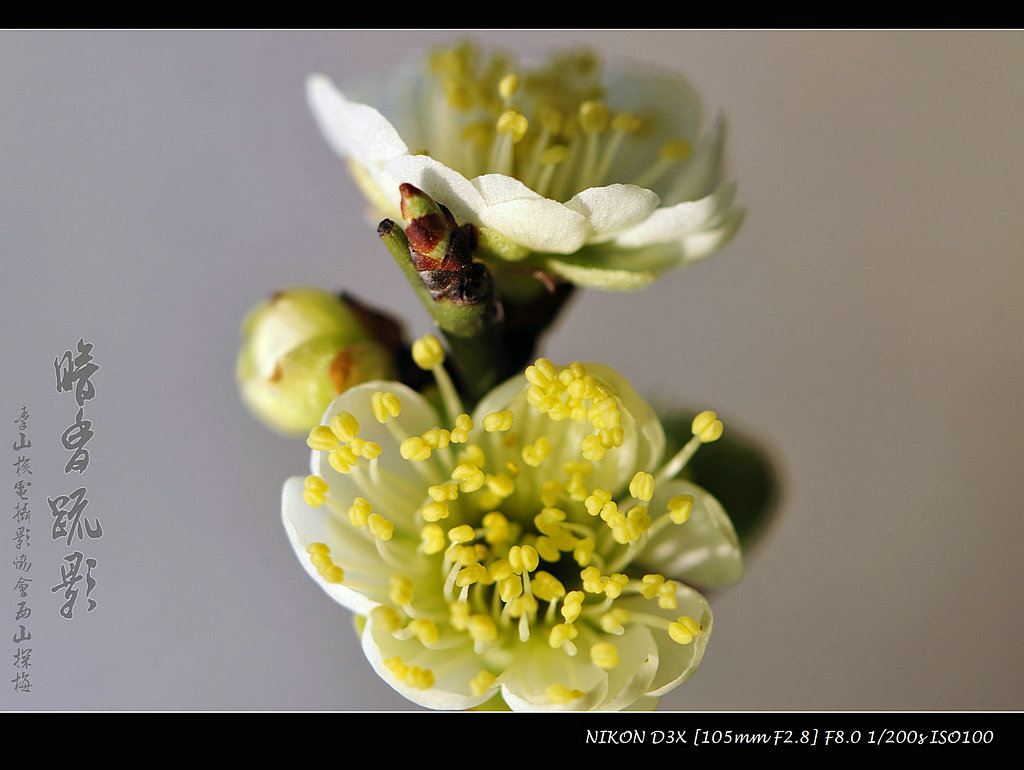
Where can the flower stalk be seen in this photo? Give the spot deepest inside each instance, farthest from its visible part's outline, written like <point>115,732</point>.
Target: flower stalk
<point>457,291</point>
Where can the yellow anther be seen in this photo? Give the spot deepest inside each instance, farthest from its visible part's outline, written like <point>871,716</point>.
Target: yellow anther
<point>315,491</point>
<point>470,477</point>
<point>549,520</point>
<point>368,449</point>
<point>597,500</point>
<point>500,569</point>
<point>572,605</point>
<point>549,492</point>
<point>560,694</point>
<point>593,583</point>
<point>638,521</point>
<point>540,373</point>
<point>555,154</point>
<point>561,633</point>
<point>458,615</point>
<point>435,511</point>
<point>523,558</point>
<point>546,586</point>
<point>333,574</point>
<point>481,683</point>
<point>626,122</point>
<point>322,439</point>
<point>583,551</point>
<point>613,621</point>
<point>473,455</point>
<point>547,549</point>
<point>510,588</point>
<point>684,630</point>
<point>345,426</point>
<point>427,352</point>
<point>514,124</point>
<point>604,655</point>
<point>707,427</point>
<point>432,539</point>
<point>614,584</point>
<point>359,512</point>
<point>463,425</point>
<point>437,438</point>
<point>342,459</point>
<point>386,619</point>
<point>680,507</point>
<point>414,448</point>
<point>593,116</point>
<point>651,584</point>
<point>385,405</point>
<point>400,590</point>
<point>461,534</point>
<point>592,449</point>
<point>677,149</point>
<point>396,667</point>
<point>380,527</point>
<point>473,573</point>
<point>425,630</point>
<point>447,491</point>
<point>464,555</point>
<point>501,485</point>
<point>667,595</point>
<point>508,85</point>
<point>642,486</point>
<point>498,421</point>
<point>536,453</point>
<point>318,549</point>
<point>496,528</point>
<point>423,678</point>
<point>522,605</point>
<point>482,628</point>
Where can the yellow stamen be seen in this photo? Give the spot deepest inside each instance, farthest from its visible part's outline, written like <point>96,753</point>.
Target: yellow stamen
<point>560,694</point>
<point>427,352</point>
<point>684,630</point>
<point>604,655</point>
<point>385,405</point>
<point>345,426</point>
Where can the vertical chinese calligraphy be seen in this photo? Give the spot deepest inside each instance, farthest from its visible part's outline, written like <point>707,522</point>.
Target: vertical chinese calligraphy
<point>22,517</point>
<point>74,372</point>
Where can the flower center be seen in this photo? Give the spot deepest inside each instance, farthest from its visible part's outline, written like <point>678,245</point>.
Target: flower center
<point>550,126</point>
<point>519,546</point>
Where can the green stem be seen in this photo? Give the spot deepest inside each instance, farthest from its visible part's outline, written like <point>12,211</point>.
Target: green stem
<point>470,326</point>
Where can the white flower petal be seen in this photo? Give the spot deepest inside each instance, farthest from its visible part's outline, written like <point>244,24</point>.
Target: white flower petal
<point>451,686</point>
<point>673,222</point>
<point>611,209</point>
<point>676,662</point>
<point>704,550</point>
<point>305,525</point>
<point>353,130</point>
<point>537,666</point>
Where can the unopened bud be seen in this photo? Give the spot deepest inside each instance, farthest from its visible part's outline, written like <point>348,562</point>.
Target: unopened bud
<point>299,350</point>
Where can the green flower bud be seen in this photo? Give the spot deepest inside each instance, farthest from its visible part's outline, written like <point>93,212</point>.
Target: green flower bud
<point>301,349</point>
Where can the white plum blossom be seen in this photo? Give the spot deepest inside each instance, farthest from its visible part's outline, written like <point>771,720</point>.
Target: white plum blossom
<point>603,179</point>
<point>540,549</point>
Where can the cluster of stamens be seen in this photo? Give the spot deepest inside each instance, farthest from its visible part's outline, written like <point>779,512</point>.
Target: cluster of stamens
<point>549,127</point>
<point>521,546</point>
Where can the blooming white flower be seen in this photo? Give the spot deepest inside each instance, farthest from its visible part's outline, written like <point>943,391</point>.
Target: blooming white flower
<point>539,548</point>
<point>539,161</point>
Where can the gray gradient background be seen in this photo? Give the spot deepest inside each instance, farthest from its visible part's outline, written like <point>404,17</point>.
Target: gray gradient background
<point>867,322</point>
